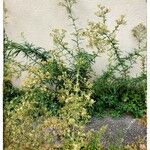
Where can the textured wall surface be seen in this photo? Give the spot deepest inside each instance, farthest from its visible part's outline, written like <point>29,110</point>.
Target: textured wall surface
<point>35,18</point>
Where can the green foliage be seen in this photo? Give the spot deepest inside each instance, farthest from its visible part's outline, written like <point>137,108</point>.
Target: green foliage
<point>67,127</point>
<point>11,68</point>
<point>47,88</point>
<point>51,109</point>
<point>115,90</point>
<point>76,55</point>
<point>13,49</point>
<point>95,140</point>
<point>120,95</point>
<point>21,130</point>
<point>10,92</point>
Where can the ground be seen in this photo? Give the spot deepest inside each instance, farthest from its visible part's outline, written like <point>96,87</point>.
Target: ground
<point>122,130</point>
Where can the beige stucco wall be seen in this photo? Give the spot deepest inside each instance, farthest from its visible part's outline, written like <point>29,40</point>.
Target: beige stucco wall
<point>35,18</point>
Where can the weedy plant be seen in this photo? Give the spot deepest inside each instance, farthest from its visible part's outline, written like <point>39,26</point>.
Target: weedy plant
<point>116,89</point>
<point>11,68</point>
<point>52,107</point>
<point>54,92</point>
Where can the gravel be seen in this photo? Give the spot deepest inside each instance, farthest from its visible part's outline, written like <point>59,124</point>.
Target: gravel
<point>122,130</point>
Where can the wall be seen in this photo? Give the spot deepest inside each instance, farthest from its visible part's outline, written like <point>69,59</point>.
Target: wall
<point>35,18</point>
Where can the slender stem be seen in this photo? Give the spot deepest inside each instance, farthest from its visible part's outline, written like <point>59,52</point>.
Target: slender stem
<point>76,30</point>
